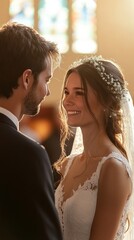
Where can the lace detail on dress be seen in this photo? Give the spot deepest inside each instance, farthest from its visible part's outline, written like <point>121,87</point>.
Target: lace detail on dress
<point>60,205</point>
<point>77,212</point>
<point>89,185</point>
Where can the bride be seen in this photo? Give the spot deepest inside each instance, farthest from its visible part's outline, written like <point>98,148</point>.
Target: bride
<point>94,197</point>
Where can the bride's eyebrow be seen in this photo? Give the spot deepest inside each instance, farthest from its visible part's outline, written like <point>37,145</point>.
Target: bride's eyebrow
<point>79,88</point>
<point>76,88</point>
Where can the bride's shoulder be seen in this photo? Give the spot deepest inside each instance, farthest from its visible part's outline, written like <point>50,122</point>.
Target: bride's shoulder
<point>116,166</point>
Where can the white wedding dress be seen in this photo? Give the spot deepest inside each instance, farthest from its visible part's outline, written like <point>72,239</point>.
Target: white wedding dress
<point>77,212</point>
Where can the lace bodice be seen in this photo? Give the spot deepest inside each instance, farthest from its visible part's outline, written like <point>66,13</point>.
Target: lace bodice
<point>77,212</point>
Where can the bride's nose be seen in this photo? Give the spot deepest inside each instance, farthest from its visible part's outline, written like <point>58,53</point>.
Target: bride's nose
<point>68,100</point>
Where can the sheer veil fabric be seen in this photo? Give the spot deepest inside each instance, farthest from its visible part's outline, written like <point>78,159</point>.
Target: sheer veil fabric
<point>128,130</point>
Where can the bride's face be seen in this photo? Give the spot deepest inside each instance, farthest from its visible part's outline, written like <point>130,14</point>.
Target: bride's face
<point>75,105</point>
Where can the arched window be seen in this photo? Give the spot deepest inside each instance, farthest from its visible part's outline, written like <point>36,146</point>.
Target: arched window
<point>53,21</point>
<point>70,23</point>
<point>22,11</point>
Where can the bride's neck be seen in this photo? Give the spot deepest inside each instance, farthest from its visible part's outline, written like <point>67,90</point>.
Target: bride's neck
<point>96,144</point>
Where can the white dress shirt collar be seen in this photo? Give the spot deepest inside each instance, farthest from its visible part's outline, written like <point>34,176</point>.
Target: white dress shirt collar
<point>10,115</point>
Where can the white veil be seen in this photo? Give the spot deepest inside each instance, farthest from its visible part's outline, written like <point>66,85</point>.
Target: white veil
<point>128,127</point>
<point>77,147</point>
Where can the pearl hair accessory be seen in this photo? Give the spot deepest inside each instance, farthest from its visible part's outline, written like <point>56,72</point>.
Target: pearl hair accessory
<point>113,84</point>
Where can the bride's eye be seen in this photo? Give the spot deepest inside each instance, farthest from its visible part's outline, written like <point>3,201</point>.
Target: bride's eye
<point>81,93</point>
<point>66,92</point>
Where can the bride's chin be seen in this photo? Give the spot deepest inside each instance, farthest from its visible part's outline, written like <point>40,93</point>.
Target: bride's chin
<point>71,124</point>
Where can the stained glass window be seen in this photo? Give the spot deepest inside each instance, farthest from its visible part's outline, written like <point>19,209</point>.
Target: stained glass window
<point>53,21</point>
<point>22,11</point>
<point>69,23</point>
<point>84,26</point>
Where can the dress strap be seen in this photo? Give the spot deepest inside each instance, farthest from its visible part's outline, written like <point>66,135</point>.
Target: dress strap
<point>120,158</point>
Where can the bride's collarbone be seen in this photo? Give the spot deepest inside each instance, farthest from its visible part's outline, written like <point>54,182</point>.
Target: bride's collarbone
<point>82,169</point>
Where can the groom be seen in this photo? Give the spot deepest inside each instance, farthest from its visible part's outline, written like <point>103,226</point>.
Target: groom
<point>27,209</point>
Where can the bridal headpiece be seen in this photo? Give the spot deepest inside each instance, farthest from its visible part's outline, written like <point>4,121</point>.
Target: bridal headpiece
<point>113,84</point>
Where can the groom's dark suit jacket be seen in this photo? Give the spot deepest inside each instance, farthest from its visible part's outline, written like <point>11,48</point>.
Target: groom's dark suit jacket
<point>27,210</point>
